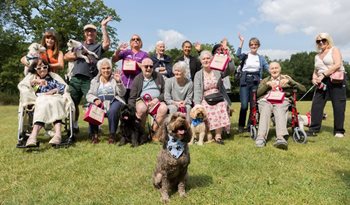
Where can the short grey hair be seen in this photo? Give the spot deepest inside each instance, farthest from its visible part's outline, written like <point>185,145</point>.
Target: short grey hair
<point>182,66</point>
<point>203,53</point>
<point>160,42</point>
<point>104,61</point>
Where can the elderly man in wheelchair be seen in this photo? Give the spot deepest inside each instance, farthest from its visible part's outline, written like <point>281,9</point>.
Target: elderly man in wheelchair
<point>275,92</point>
<point>147,95</point>
<point>46,94</point>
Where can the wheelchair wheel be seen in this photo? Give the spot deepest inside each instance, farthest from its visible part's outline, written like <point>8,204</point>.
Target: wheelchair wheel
<point>253,132</point>
<point>299,135</point>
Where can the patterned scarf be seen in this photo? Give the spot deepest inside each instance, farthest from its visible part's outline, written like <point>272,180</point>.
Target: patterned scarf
<point>175,146</point>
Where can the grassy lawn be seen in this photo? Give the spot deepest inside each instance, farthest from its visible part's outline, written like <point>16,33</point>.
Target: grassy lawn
<point>237,173</point>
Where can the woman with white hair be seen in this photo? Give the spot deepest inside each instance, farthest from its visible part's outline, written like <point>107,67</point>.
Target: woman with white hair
<point>328,62</point>
<point>161,61</point>
<point>178,90</point>
<point>107,89</point>
<point>210,92</point>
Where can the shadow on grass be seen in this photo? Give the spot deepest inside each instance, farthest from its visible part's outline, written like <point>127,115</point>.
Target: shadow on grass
<point>196,181</point>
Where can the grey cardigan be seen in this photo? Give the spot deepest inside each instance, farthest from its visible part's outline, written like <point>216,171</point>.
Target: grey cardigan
<point>118,88</point>
<point>199,87</point>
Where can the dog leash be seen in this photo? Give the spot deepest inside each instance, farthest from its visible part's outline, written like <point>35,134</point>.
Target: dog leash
<point>312,87</point>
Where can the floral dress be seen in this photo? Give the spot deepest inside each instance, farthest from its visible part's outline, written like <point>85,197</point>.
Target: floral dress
<point>217,114</point>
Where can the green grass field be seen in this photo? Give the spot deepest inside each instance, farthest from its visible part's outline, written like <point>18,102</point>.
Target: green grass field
<point>237,173</point>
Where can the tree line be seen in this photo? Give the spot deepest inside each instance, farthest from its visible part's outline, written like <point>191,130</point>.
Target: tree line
<point>24,21</point>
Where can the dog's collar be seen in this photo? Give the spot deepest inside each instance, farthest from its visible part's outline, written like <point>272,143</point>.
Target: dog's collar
<point>31,57</point>
<point>175,146</point>
<point>197,121</point>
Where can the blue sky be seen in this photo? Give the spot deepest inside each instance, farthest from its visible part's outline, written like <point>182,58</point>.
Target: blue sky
<point>284,27</point>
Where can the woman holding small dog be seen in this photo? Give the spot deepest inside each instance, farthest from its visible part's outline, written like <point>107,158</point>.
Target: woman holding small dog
<point>52,55</point>
<point>106,89</point>
<point>330,79</point>
<point>49,93</point>
<point>210,92</point>
<point>178,92</point>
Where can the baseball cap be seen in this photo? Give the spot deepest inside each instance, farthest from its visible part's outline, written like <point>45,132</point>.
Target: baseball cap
<point>87,26</point>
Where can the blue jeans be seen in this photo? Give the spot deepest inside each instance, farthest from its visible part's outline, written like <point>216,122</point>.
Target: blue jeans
<point>245,96</point>
<point>113,118</point>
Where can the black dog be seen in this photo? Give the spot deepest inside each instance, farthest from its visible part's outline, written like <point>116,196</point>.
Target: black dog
<point>131,130</point>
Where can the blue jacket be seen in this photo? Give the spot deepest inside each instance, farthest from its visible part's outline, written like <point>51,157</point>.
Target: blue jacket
<point>163,63</point>
<point>263,63</point>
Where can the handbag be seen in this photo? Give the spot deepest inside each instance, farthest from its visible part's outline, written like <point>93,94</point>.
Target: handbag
<point>219,62</point>
<point>337,77</point>
<point>151,110</point>
<point>95,114</point>
<point>214,98</point>
<point>275,97</point>
<point>129,67</point>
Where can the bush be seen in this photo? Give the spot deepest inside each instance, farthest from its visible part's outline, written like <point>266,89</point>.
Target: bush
<point>9,98</point>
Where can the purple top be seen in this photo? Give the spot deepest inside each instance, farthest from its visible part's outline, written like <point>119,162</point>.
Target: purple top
<point>127,79</point>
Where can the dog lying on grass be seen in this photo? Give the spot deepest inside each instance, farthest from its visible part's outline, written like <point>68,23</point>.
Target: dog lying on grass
<point>174,158</point>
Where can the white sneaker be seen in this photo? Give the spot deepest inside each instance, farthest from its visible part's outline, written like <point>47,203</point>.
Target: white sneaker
<point>339,135</point>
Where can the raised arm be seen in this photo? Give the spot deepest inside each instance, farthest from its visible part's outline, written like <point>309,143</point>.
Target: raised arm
<point>105,38</point>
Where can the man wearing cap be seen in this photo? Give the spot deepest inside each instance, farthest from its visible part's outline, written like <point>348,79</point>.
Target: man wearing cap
<point>82,71</point>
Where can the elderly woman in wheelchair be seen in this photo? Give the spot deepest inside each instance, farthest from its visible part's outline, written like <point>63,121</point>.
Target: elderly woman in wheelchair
<point>274,93</point>
<point>49,95</point>
<point>147,95</point>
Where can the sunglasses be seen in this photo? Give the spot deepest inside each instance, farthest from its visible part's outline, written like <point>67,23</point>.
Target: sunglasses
<point>44,67</point>
<point>148,66</point>
<point>135,39</point>
<point>322,40</point>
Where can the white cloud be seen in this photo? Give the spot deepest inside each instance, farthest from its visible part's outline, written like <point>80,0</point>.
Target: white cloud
<point>247,24</point>
<point>171,38</point>
<point>309,17</point>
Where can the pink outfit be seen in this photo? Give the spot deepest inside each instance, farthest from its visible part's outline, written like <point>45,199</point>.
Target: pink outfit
<point>217,114</point>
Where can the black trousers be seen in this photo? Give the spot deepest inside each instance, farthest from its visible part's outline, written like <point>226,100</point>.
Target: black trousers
<point>337,94</point>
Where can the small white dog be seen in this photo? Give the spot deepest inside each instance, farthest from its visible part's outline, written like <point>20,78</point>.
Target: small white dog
<point>80,51</point>
<point>198,125</point>
<point>305,120</point>
<point>33,54</point>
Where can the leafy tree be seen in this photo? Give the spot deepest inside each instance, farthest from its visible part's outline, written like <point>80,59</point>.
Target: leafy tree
<point>30,18</point>
<point>24,21</point>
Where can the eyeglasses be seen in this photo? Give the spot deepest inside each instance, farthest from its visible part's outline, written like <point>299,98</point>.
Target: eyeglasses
<point>44,67</point>
<point>148,66</point>
<point>135,39</point>
<point>322,40</point>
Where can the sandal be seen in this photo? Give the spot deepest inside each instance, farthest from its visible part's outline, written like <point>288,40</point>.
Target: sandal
<point>219,140</point>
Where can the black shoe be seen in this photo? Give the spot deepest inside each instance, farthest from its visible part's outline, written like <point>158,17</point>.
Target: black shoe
<point>311,133</point>
<point>240,129</point>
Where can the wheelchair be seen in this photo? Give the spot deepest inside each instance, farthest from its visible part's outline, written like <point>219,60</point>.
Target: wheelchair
<point>299,135</point>
<point>25,126</point>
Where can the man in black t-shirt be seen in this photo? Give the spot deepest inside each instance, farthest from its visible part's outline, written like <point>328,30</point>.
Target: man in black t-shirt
<point>83,71</point>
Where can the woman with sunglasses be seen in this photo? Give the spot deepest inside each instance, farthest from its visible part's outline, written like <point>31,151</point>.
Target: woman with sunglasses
<point>131,56</point>
<point>328,61</point>
<point>52,55</point>
<point>49,93</point>
<point>251,67</point>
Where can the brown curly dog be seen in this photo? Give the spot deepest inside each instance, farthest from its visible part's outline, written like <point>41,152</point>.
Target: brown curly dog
<point>174,158</point>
